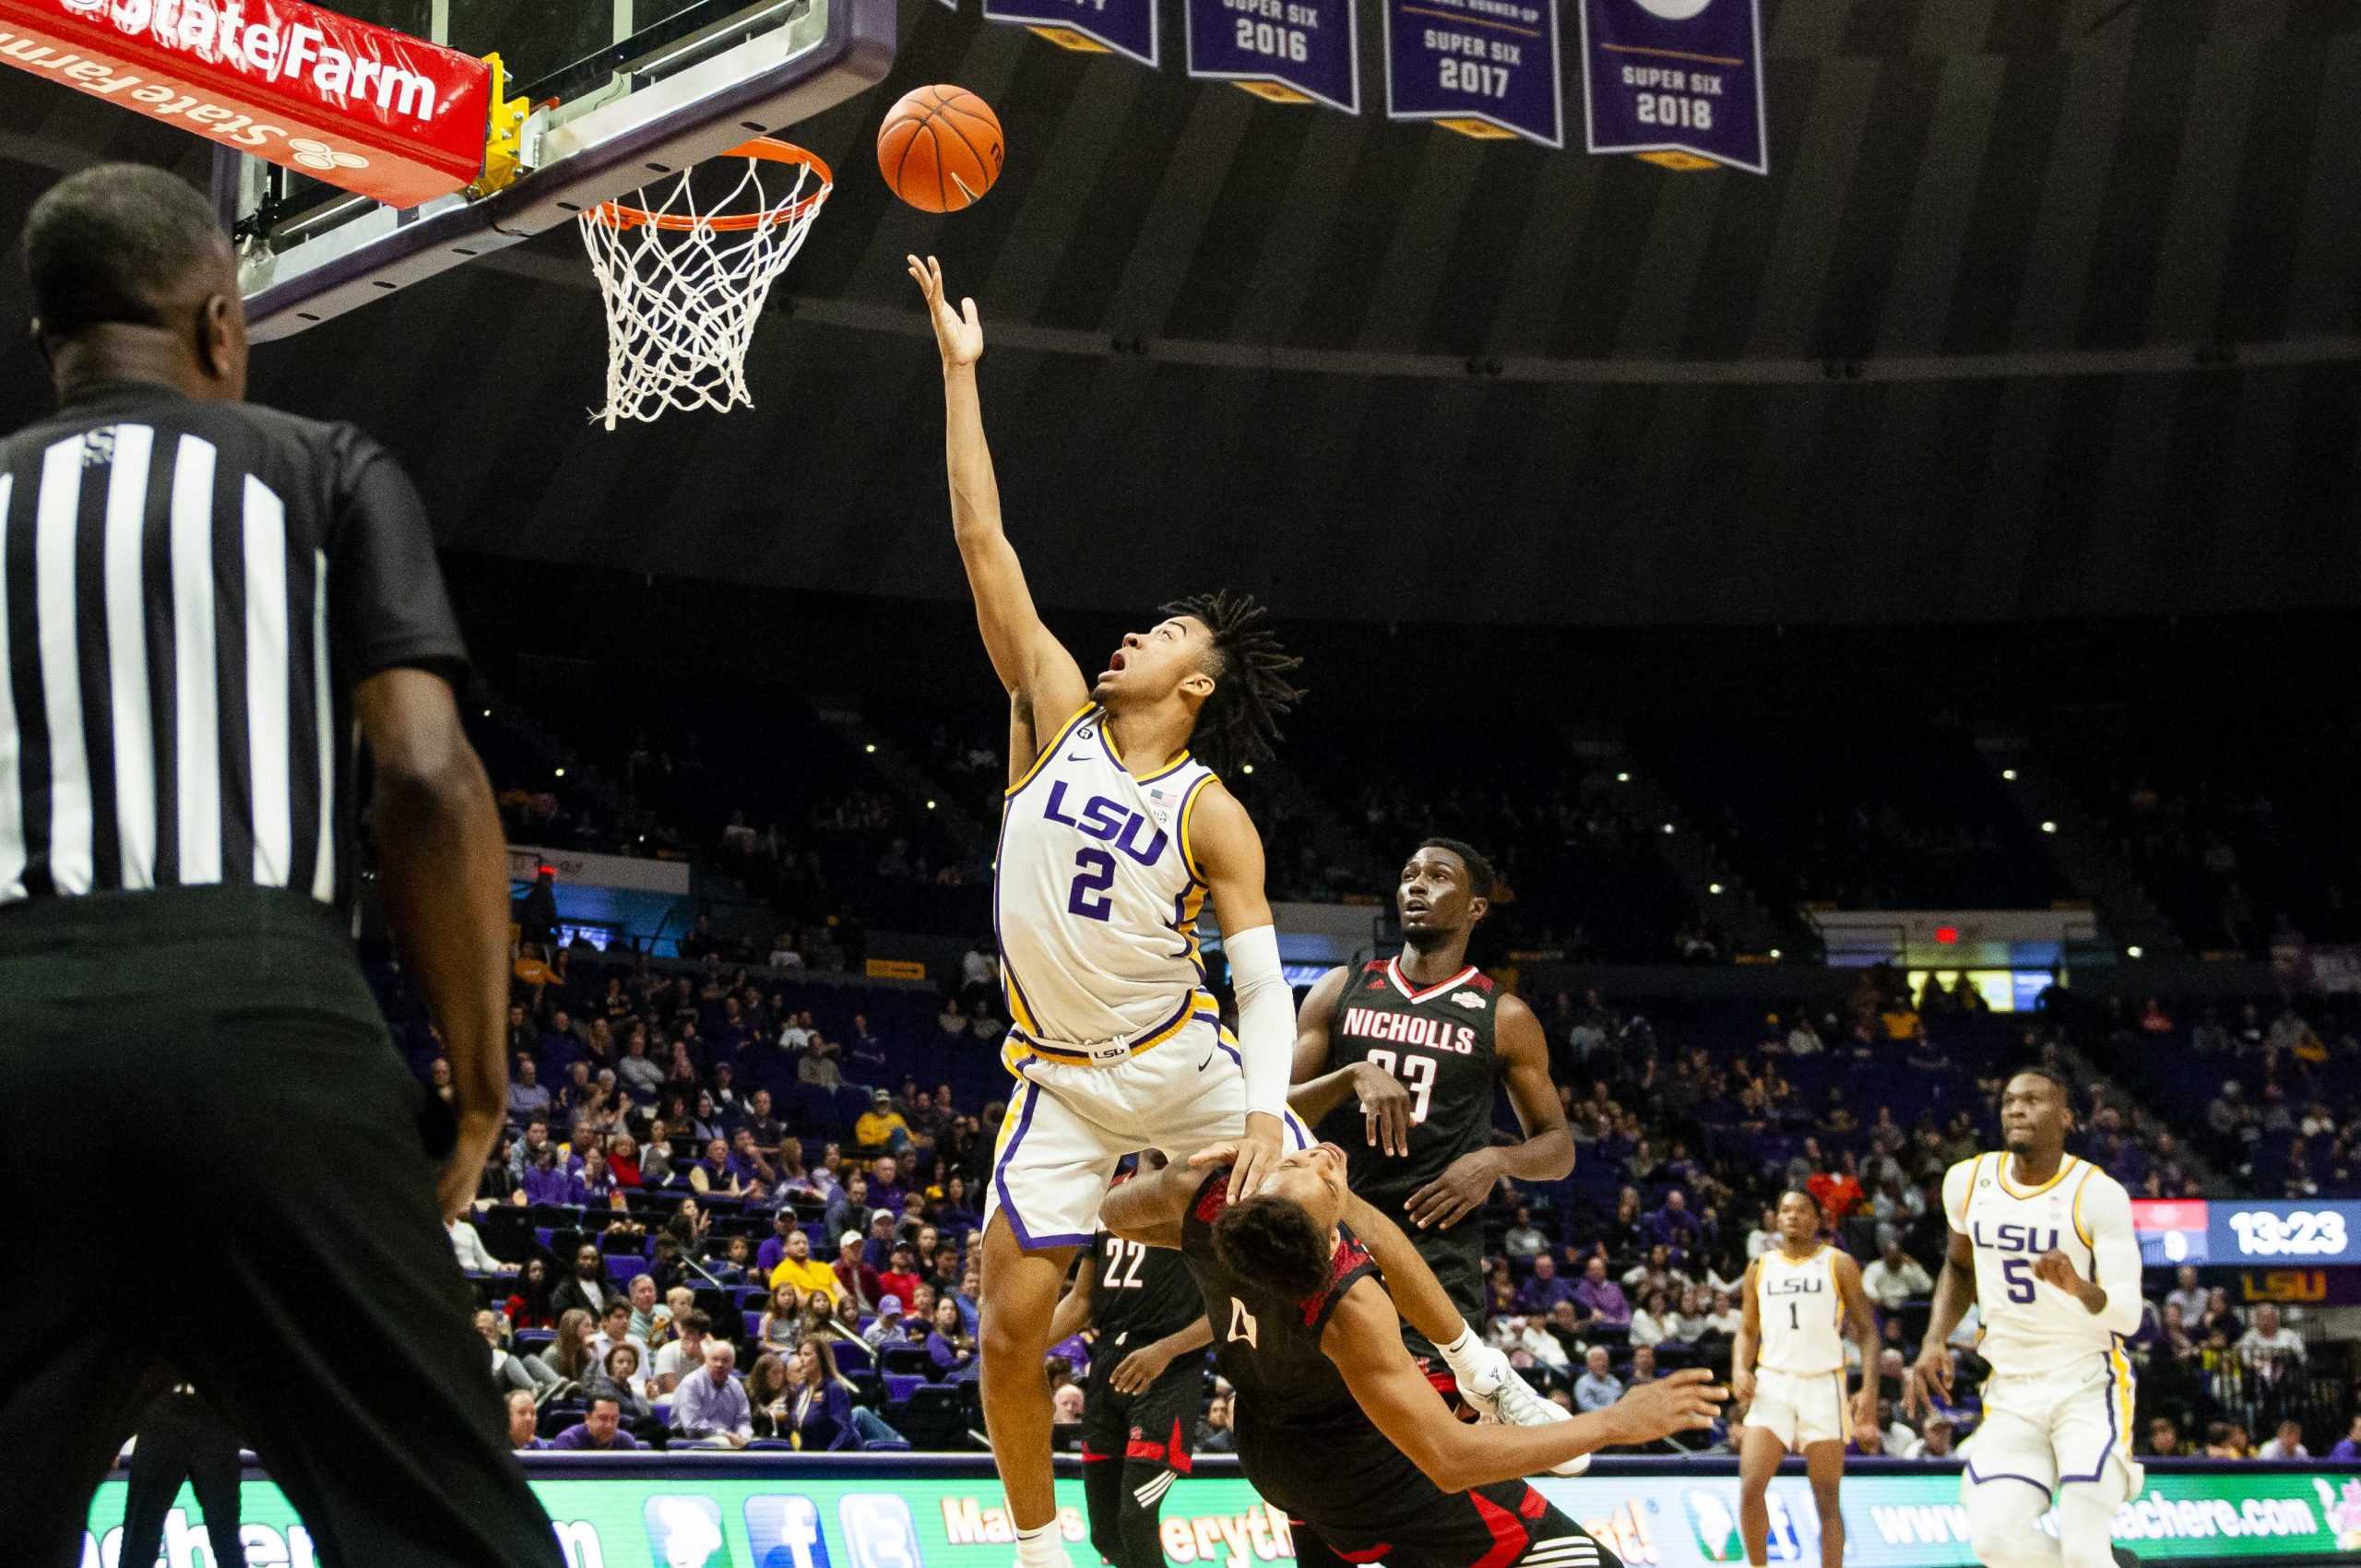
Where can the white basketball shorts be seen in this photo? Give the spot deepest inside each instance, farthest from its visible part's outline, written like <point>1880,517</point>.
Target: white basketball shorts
<point>1800,1410</point>
<point>2048,1430</point>
<point>1070,1123</point>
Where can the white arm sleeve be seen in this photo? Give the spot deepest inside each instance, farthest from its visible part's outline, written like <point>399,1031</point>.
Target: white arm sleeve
<point>1266,1017</point>
<point>2104,1212</point>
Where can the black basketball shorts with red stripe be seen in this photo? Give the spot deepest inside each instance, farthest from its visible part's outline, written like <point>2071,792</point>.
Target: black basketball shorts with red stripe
<point>1134,1445</point>
<point>1507,1524</point>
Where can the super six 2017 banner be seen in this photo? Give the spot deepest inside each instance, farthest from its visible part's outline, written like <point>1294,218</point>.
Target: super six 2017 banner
<point>1677,81</point>
<point>1481,67</point>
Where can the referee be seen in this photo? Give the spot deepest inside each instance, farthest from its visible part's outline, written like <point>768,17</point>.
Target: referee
<point>201,603</point>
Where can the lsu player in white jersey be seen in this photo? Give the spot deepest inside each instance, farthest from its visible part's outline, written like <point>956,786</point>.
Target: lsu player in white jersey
<point>1788,1366</point>
<point>1114,833</point>
<point>2042,1243</point>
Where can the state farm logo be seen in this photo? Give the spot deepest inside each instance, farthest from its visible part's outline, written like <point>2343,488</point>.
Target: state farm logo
<point>342,61</point>
<point>320,155</point>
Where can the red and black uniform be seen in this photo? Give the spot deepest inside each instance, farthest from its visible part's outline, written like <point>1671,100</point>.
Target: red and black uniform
<point>1307,1446</point>
<point>1134,1444</point>
<point>1437,1041</point>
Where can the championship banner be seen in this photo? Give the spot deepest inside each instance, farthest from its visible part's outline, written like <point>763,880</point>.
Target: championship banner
<point>783,1510</point>
<point>1285,51</point>
<point>1679,82</point>
<point>1485,69</point>
<point>1089,26</point>
<point>372,109</point>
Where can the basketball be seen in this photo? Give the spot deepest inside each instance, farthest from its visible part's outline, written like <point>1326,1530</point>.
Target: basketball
<point>940,149</point>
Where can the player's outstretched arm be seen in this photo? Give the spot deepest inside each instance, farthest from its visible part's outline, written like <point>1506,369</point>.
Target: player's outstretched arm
<point>1548,1151</point>
<point>1226,852</point>
<point>1364,1339</point>
<point>1861,1321</point>
<point>1032,665</point>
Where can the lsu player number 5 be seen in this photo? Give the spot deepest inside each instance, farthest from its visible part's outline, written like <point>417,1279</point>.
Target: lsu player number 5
<point>2042,1242</point>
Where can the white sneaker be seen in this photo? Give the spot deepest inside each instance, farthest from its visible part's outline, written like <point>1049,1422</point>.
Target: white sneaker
<point>1496,1392</point>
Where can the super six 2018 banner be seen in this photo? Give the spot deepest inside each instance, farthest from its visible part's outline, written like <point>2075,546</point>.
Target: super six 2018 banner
<point>1677,81</point>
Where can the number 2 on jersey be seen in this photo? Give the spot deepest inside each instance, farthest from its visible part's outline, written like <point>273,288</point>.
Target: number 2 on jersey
<point>1418,1071</point>
<point>1088,897</point>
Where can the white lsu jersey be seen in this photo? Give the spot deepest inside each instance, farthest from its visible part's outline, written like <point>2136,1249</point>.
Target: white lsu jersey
<point>1801,1314</point>
<point>2032,1328</point>
<point>1097,897</point>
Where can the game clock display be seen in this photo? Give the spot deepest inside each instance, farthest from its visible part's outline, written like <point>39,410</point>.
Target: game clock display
<point>2193,1230</point>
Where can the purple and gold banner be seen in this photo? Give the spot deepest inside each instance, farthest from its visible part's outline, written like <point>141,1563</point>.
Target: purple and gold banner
<point>1679,82</point>
<point>1287,51</point>
<point>1485,69</point>
<point>1091,27</point>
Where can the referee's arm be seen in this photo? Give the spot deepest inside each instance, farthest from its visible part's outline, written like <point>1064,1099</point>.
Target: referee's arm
<point>443,863</point>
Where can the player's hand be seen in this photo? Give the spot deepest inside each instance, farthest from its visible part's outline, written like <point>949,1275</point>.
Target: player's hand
<point>957,333</point>
<point>1867,1438</point>
<point>1929,1376</point>
<point>2054,1268</point>
<point>1138,1370</point>
<point>1865,1409</point>
<point>1459,1192</point>
<point>1682,1401</point>
<point>1257,1157</point>
<point>1742,1384</point>
<point>1385,1107</point>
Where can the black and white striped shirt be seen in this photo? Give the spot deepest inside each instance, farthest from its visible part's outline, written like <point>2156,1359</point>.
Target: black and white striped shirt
<point>189,592</point>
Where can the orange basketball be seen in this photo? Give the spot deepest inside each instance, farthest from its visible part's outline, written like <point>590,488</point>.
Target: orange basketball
<point>940,149</point>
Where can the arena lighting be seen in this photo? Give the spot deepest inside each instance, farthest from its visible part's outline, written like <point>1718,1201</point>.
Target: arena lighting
<point>487,713</point>
<point>929,805</point>
<point>1946,935</point>
<point>2133,951</point>
<point>2048,827</point>
<point>871,747</point>
<point>561,773</point>
<point>1774,952</point>
<point>1712,887</point>
<point>1250,768</point>
<point>1622,778</point>
<point>1668,828</point>
<point>2010,774</point>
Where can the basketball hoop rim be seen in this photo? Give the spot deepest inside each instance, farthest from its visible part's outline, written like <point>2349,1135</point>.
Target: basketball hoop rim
<point>770,150</point>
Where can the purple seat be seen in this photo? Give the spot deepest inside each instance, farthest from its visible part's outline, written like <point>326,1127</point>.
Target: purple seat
<point>852,1356</point>
<point>753,1324</point>
<point>622,1266</point>
<point>901,1385</point>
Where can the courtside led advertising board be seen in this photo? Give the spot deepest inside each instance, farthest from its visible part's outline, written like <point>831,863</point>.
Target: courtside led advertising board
<point>684,1514</point>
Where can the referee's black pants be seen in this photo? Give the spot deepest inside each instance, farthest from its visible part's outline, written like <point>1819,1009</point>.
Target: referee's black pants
<point>182,1439</point>
<point>199,1083</point>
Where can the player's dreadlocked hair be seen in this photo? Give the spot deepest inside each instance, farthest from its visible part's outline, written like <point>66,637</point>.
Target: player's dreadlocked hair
<point>1275,1241</point>
<point>1251,690</point>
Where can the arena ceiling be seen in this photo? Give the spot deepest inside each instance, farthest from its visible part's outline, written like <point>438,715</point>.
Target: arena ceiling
<point>2049,307</point>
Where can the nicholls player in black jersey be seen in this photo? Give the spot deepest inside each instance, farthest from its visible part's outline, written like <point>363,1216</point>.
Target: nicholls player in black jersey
<point>1144,1391</point>
<point>1335,1424</point>
<point>1421,1041</point>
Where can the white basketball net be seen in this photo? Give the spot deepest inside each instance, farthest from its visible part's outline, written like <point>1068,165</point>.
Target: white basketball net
<point>683,285</point>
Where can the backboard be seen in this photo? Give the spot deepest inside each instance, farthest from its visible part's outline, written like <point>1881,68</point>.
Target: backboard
<point>619,91</point>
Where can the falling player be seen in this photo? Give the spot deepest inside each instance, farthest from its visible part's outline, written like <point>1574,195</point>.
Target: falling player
<point>1104,865</point>
<point>1336,1424</point>
<point>1148,1379</point>
<point>2042,1243</point>
<point>1788,1368</point>
<point>1420,1040</point>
